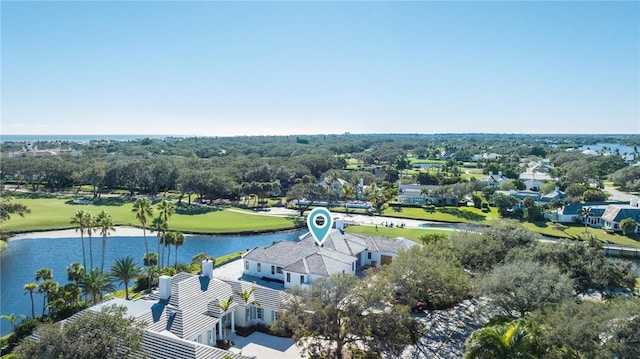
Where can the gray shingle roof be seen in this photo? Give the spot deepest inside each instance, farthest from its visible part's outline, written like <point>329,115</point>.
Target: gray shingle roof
<point>281,254</point>
<point>345,243</point>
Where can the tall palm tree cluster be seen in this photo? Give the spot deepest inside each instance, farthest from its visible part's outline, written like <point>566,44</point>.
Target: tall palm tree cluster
<point>155,262</point>
<point>92,282</point>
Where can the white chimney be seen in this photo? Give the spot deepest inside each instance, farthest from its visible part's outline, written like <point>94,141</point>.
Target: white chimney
<point>500,173</point>
<point>164,284</point>
<point>490,173</point>
<point>339,224</point>
<point>207,268</point>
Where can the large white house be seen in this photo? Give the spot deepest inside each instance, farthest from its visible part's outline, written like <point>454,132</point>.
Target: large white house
<point>183,318</point>
<point>301,263</point>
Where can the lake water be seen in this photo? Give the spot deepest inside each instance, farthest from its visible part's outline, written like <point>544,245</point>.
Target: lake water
<point>610,146</point>
<point>23,257</point>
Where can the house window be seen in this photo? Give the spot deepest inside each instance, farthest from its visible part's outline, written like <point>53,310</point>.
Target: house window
<point>273,316</point>
<point>279,270</point>
<point>259,267</point>
<point>253,312</point>
<point>301,279</point>
<point>246,265</point>
<point>273,269</point>
<point>369,255</point>
<point>288,277</point>
<point>259,312</point>
<point>210,336</point>
<point>353,266</point>
<point>199,340</point>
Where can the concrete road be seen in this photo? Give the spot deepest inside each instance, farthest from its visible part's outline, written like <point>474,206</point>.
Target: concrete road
<point>618,195</point>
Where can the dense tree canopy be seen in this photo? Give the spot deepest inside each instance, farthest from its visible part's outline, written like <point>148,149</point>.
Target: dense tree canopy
<point>340,313</point>
<point>105,334</point>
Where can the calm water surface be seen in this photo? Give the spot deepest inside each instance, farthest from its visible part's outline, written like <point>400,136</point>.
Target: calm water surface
<point>23,257</point>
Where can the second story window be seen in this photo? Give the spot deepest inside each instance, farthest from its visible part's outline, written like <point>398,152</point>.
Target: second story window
<point>259,267</point>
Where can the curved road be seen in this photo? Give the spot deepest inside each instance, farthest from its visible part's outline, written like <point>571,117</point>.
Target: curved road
<point>618,195</point>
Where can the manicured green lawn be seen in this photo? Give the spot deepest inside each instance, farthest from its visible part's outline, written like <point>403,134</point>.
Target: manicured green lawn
<point>446,214</point>
<point>56,213</point>
<point>415,161</point>
<point>394,232</point>
<point>577,232</point>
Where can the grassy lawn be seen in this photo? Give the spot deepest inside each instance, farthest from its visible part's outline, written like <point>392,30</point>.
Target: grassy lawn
<point>577,232</point>
<point>394,232</point>
<point>416,161</point>
<point>467,176</point>
<point>56,213</point>
<point>446,214</point>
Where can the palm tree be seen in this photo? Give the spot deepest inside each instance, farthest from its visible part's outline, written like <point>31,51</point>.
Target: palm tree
<point>150,260</point>
<point>178,240</point>
<point>246,296</point>
<point>168,241</point>
<point>43,274</point>
<point>516,339</point>
<point>143,210</point>
<point>152,273</point>
<point>166,209</point>
<point>347,193</point>
<point>11,318</point>
<point>224,305</point>
<point>124,270</point>
<point>75,272</point>
<point>585,213</point>
<point>104,222</point>
<point>80,219</point>
<point>95,283</point>
<point>30,288</point>
<point>47,288</point>
<point>160,226</point>
<point>91,227</point>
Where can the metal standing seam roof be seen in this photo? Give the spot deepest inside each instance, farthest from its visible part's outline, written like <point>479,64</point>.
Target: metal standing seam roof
<point>616,213</point>
<point>268,298</point>
<point>160,343</point>
<point>163,346</point>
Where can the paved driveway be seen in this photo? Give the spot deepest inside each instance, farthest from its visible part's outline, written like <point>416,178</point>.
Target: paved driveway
<point>263,346</point>
<point>617,195</point>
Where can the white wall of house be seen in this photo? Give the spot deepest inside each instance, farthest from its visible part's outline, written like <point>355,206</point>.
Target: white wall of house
<point>261,269</point>
<point>206,336</point>
<point>376,257</point>
<point>254,315</point>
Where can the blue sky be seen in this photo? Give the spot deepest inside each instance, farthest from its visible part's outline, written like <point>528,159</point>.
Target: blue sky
<point>251,68</point>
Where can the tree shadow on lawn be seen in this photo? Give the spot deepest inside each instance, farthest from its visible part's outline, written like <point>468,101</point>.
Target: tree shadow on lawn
<point>107,201</point>
<point>462,214</point>
<point>32,195</point>
<point>194,210</point>
<point>298,221</point>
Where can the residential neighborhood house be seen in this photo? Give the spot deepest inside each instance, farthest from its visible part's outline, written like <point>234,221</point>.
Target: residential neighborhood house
<point>303,262</point>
